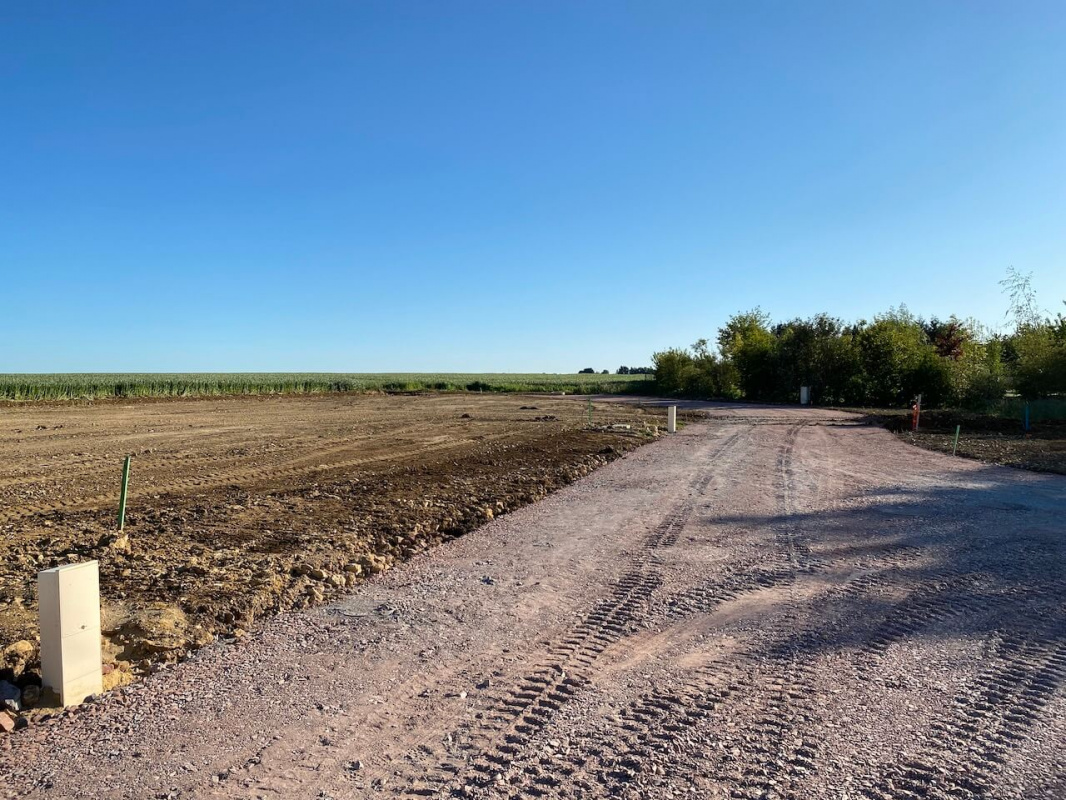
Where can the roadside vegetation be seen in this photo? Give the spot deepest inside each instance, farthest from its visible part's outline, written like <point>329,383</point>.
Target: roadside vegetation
<point>884,362</point>
<point>91,386</point>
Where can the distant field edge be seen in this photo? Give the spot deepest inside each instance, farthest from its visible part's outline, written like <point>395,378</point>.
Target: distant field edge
<point>22,388</point>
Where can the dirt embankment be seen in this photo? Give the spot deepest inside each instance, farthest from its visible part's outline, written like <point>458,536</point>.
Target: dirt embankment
<point>247,506</point>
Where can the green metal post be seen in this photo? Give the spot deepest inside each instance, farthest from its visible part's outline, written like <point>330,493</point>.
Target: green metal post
<point>122,496</point>
<point>590,412</point>
<point>955,446</point>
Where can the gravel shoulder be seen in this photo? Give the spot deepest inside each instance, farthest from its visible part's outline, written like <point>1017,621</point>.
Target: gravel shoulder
<point>772,603</point>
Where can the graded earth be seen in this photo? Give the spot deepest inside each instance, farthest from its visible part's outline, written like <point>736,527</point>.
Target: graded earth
<point>243,506</point>
<point>772,603</point>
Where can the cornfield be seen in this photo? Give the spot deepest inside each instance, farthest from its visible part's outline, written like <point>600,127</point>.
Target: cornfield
<point>90,386</point>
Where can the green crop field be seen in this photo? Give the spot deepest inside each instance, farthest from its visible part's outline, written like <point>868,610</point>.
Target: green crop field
<point>75,386</point>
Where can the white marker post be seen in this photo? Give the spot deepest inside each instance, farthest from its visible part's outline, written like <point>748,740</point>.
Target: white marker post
<point>69,600</point>
<point>671,419</point>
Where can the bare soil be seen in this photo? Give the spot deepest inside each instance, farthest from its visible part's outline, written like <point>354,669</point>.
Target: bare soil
<point>986,438</point>
<point>773,603</point>
<point>242,507</point>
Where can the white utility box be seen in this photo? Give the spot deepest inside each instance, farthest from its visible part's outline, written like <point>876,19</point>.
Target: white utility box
<point>69,600</point>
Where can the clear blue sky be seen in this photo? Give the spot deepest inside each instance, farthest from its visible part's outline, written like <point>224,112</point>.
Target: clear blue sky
<point>510,186</point>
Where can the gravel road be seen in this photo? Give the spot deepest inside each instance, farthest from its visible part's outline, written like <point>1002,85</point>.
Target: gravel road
<point>771,604</point>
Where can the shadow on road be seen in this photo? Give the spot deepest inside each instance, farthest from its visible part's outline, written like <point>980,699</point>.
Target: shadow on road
<point>985,559</point>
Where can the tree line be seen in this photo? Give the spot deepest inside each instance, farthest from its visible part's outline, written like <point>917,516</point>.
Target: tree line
<point>623,370</point>
<point>883,362</point>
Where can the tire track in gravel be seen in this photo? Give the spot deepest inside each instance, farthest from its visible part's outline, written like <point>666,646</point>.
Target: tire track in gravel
<point>483,753</point>
<point>486,753</point>
<point>975,736</point>
<point>659,727</point>
<point>949,597</point>
<point>771,744</point>
<point>701,483</point>
<point>784,749</point>
<point>658,720</point>
<point>655,727</point>
<point>778,756</point>
<point>779,751</point>
<point>539,772</point>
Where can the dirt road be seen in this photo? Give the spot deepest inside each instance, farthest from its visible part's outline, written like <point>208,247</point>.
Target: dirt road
<point>770,605</point>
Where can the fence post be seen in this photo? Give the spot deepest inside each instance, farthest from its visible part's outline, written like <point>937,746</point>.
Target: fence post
<point>671,419</point>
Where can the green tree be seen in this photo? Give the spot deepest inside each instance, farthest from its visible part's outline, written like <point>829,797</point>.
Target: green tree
<point>1036,350</point>
<point>898,361</point>
<point>815,352</point>
<point>674,370</point>
<point>747,342</point>
<point>1040,361</point>
<point>693,373</point>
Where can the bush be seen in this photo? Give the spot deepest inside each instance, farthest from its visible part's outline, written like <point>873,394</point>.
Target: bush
<point>693,373</point>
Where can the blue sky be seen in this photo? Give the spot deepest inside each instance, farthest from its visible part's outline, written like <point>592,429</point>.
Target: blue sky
<point>510,186</point>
